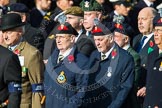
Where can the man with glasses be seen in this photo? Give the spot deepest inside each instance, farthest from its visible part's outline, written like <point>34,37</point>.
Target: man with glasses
<point>154,70</point>
<point>64,77</point>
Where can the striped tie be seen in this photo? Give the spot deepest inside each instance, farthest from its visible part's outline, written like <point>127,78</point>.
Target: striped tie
<point>103,57</point>
<point>60,58</point>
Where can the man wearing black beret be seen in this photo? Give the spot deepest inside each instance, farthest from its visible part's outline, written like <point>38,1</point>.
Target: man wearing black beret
<point>111,72</point>
<point>65,68</point>
<point>122,36</point>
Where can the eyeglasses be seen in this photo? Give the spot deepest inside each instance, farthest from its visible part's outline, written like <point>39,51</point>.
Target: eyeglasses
<point>157,30</point>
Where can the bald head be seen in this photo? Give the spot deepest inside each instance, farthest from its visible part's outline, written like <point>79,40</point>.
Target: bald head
<point>145,20</point>
<point>151,12</point>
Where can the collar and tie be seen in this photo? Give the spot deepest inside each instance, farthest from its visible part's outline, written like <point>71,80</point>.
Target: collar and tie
<point>60,58</point>
<point>89,34</point>
<point>152,5</point>
<point>103,57</point>
<point>10,48</point>
<point>141,43</point>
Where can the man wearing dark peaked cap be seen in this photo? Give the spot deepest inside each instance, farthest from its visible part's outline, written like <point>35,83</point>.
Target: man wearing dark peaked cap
<point>32,35</point>
<point>30,59</point>
<point>65,71</point>
<point>121,8</point>
<point>111,69</point>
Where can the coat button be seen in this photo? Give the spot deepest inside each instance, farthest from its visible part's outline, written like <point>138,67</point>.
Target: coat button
<point>154,68</point>
<point>143,65</point>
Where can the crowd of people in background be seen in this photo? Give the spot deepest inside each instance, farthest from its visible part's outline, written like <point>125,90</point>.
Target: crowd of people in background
<point>80,54</point>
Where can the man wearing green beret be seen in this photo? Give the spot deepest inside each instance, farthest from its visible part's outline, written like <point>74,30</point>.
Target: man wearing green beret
<point>92,9</point>
<point>75,18</point>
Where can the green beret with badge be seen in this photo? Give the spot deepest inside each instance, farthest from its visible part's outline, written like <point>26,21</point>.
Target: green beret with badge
<point>90,5</point>
<point>75,10</point>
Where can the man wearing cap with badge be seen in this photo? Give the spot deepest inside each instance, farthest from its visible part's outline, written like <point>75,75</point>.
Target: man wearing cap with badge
<point>65,77</point>
<point>30,59</point>
<point>85,45</point>
<point>154,69</point>
<point>122,36</point>
<point>32,35</point>
<point>74,16</point>
<point>92,9</point>
<point>111,71</point>
<point>121,8</point>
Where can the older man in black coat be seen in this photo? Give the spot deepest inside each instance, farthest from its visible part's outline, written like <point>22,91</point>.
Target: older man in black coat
<point>154,70</point>
<point>10,79</point>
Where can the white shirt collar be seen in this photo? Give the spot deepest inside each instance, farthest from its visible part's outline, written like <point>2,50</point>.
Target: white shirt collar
<point>147,39</point>
<point>126,47</point>
<point>14,46</point>
<point>116,13</point>
<point>42,12</point>
<point>108,53</point>
<point>148,3</point>
<point>160,51</point>
<point>66,53</point>
<point>79,33</point>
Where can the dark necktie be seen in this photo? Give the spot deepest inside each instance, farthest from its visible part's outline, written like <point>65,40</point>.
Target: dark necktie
<point>89,34</point>
<point>103,57</point>
<point>152,5</point>
<point>141,43</point>
<point>10,48</point>
<point>60,58</point>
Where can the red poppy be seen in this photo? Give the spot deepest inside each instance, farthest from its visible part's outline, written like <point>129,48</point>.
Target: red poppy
<point>113,53</point>
<point>96,30</point>
<point>62,27</point>
<point>119,26</point>
<point>160,20</point>
<point>151,44</point>
<point>17,51</point>
<point>71,58</point>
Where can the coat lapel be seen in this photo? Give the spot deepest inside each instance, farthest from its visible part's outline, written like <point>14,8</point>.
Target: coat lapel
<point>20,47</point>
<point>114,59</point>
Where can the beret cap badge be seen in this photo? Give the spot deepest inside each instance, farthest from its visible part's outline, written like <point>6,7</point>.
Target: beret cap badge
<point>86,4</point>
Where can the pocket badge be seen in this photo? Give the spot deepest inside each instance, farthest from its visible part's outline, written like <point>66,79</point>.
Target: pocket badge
<point>61,78</point>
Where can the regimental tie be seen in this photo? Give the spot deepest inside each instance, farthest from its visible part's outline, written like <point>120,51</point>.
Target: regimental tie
<point>141,44</point>
<point>103,57</point>
<point>60,58</point>
<point>10,48</point>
